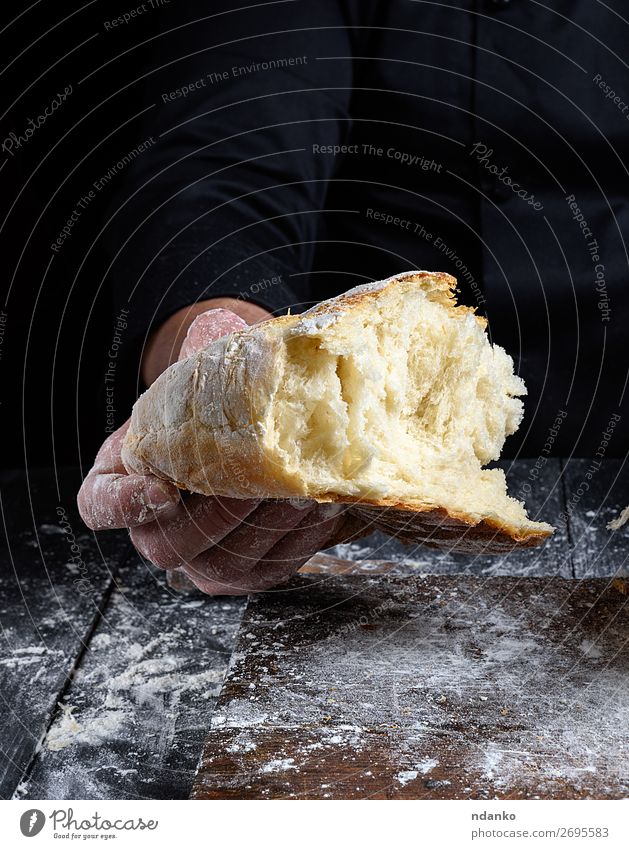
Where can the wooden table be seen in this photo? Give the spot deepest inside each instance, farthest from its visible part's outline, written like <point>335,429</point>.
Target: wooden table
<point>379,683</point>
<point>394,686</point>
<point>107,678</point>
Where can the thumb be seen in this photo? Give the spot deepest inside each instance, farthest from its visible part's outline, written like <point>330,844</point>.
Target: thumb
<point>207,327</point>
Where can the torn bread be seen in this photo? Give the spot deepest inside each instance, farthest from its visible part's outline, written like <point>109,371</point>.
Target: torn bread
<point>389,398</point>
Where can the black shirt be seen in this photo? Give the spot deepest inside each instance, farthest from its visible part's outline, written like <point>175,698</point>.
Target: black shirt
<point>298,148</point>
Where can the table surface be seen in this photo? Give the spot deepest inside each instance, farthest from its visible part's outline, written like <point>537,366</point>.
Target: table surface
<point>389,686</point>
<point>109,680</point>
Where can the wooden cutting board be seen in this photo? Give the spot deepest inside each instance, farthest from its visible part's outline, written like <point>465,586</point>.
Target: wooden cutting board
<point>362,684</point>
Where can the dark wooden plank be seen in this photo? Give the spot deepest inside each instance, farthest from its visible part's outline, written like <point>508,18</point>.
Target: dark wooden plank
<point>443,687</point>
<point>538,484</point>
<point>596,492</point>
<point>133,721</point>
<point>51,594</point>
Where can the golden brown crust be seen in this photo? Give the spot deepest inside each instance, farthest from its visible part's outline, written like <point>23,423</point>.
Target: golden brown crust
<point>439,286</point>
<point>440,528</point>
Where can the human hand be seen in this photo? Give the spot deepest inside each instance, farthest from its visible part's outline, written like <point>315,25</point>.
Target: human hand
<point>110,497</point>
<point>225,546</point>
<point>232,546</point>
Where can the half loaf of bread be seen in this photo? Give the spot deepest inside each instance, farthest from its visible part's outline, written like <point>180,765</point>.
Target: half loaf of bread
<point>389,398</point>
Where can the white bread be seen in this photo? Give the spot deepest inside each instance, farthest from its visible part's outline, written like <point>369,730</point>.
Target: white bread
<point>389,398</point>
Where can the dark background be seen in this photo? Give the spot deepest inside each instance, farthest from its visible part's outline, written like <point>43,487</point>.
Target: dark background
<point>59,314</point>
<point>60,310</point>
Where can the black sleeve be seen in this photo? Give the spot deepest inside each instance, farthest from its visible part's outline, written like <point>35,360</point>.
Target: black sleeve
<point>223,195</point>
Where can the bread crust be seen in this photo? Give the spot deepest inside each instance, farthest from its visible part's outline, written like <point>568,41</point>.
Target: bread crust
<point>439,528</point>
<point>201,426</point>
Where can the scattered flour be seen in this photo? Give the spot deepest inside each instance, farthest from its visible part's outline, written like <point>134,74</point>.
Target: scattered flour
<point>279,765</point>
<point>151,679</point>
<point>535,712</point>
<point>100,641</point>
<point>67,731</point>
<point>590,649</point>
<point>406,776</point>
<point>28,656</point>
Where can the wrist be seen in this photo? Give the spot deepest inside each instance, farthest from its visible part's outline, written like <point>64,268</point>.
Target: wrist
<point>163,345</point>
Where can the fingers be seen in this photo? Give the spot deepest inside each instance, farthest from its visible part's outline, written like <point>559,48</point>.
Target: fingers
<point>238,568</point>
<point>207,327</point>
<point>110,498</point>
<point>198,524</point>
<point>108,458</point>
<point>231,562</point>
<point>123,501</point>
<point>241,586</point>
<point>311,536</point>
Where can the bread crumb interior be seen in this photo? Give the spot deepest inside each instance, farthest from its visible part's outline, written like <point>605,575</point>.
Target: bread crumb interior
<point>406,401</point>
